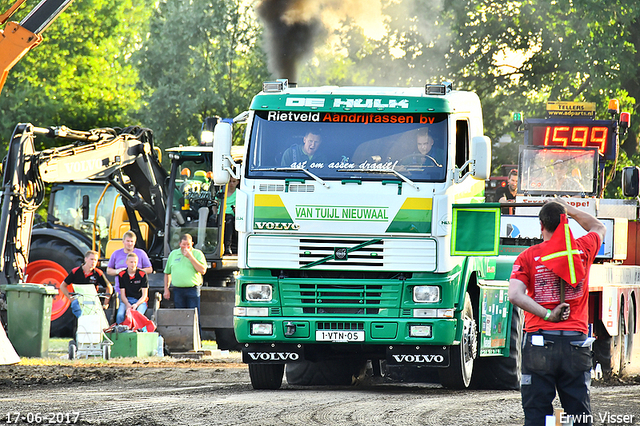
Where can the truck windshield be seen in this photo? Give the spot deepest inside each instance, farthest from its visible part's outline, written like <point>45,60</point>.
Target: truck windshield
<point>195,205</point>
<point>327,144</point>
<point>548,171</point>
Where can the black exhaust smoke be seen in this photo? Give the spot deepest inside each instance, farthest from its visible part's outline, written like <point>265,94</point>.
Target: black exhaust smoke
<point>290,31</point>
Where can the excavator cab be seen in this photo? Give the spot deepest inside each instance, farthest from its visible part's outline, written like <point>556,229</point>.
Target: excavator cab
<point>71,201</point>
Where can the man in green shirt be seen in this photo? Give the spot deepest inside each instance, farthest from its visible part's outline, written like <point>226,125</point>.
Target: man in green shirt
<point>185,269</point>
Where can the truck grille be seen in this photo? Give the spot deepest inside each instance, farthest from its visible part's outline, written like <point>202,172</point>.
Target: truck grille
<point>340,299</point>
<point>319,253</point>
<point>350,326</point>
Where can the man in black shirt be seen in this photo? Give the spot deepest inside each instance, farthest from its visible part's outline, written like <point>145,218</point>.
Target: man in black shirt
<point>134,288</point>
<point>87,273</point>
<point>508,193</point>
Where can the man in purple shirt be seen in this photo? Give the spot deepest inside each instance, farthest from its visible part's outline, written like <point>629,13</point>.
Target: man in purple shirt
<point>118,260</point>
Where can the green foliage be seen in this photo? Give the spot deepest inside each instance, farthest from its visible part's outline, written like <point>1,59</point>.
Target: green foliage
<point>516,55</point>
<point>80,75</point>
<point>580,51</point>
<point>201,58</point>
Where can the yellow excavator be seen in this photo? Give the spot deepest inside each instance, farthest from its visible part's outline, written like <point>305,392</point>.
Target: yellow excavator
<point>16,39</point>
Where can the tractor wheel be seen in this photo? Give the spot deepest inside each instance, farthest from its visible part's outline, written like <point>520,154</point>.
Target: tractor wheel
<point>50,261</point>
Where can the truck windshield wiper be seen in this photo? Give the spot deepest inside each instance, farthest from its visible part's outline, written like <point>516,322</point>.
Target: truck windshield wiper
<point>292,169</point>
<point>384,171</point>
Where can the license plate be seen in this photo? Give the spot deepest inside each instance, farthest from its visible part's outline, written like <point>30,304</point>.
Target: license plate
<point>339,336</point>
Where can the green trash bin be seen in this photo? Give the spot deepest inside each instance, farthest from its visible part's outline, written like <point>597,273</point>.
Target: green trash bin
<point>29,317</point>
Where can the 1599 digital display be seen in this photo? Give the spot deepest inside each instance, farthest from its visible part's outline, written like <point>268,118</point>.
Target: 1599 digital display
<point>591,134</point>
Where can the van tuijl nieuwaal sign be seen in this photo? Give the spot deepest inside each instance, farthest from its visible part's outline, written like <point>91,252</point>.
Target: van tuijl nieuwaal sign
<point>343,213</point>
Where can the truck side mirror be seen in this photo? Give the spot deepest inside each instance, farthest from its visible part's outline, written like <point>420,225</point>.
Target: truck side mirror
<point>85,207</point>
<point>631,181</point>
<point>221,153</point>
<point>481,156</point>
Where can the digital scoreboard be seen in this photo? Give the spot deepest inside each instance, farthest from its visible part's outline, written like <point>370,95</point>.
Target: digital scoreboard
<point>573,133</point>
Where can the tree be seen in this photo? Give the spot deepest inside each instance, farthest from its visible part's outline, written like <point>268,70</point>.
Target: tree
<point>80,75</point>
<point>201,58</point>
<point>570,51</point>
<point>515,54</point>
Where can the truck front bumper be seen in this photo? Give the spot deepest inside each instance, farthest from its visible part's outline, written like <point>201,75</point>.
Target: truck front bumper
<point>346,331</point>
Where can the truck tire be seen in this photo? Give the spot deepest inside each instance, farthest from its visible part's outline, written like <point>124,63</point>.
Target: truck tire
<point>226,340</point>
<point>50,261</point>
<point>325,373</point>
<point>266,376</point>
<point>607,349</point>
<point>626,341</point>
<point>502,373</point>
<point>458,374</point>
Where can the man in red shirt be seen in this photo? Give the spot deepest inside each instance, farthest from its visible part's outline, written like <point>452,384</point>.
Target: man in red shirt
<point>550,282</point>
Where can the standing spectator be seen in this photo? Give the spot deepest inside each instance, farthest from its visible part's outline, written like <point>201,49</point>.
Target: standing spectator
<point>134,288</point>
<point>185,268</point>
<point>118,260</point>
<point>87,273</point>
<point>508,193</point>
<point>230,234</point>
<point>550,282</point>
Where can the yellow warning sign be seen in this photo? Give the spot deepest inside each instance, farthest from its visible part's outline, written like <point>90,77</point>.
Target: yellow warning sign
<point>571,109</point>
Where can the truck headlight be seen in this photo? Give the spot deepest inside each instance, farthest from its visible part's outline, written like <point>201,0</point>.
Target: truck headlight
<point>426,294</point>
<point>258,292</point>
<point>420,331</point>
<point>264,329</point>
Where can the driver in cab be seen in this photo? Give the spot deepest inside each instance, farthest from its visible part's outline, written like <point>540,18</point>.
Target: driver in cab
<point>297,154</point>
<point>425,154</point>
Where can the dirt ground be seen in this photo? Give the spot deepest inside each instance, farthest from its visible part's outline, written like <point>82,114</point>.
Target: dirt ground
<point>216,390</point>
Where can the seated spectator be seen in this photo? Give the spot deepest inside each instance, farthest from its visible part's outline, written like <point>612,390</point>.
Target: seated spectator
<point>87,273</point>
<point>134,288</point>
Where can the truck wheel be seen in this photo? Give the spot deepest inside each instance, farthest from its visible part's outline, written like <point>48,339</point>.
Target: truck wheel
<point>324,373</point>
<point>607,349</point>
<point>626,341</point>
<point>50,261</point>
<point>502,373</point>
<point>266,376</point>
<point>458,374</point>
<point>226,340</point>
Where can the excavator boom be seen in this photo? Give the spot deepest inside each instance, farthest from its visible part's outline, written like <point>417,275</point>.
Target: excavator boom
<point>99,153</point>
<point>18,38</point>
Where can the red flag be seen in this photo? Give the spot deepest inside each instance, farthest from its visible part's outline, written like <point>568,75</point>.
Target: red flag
<point>561,255</point>
<point>135,321</point>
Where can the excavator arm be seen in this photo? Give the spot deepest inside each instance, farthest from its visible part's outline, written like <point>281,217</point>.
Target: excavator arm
<point>18,38</point>
<point>126,158</point>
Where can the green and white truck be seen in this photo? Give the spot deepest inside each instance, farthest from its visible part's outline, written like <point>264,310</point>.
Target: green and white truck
<point>351,258</point>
